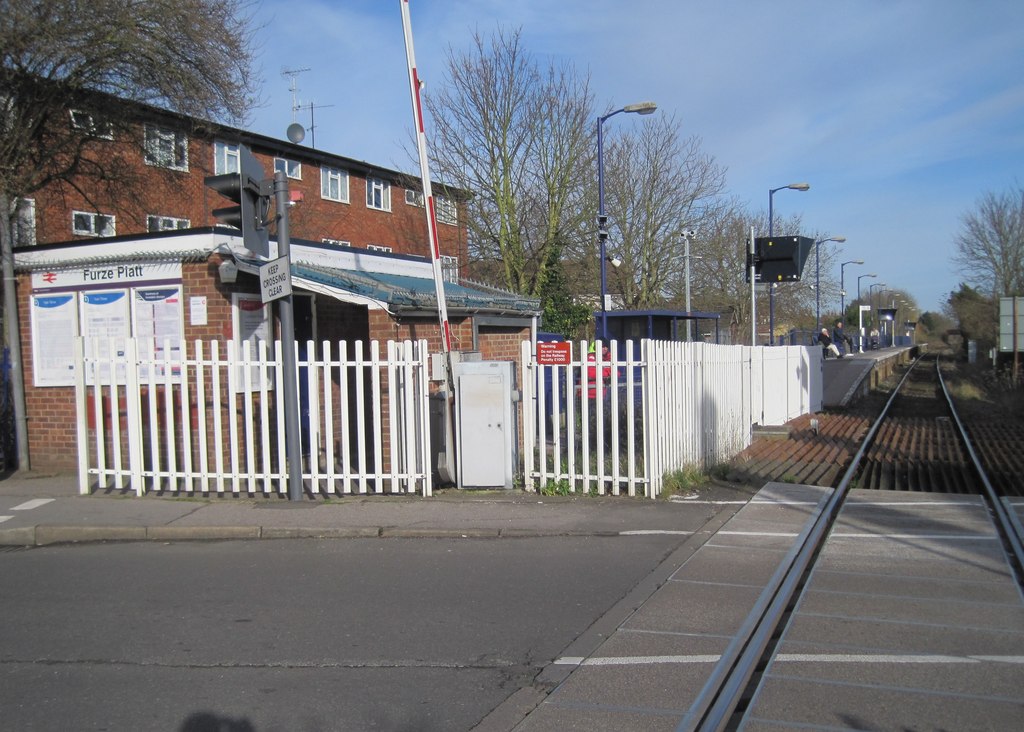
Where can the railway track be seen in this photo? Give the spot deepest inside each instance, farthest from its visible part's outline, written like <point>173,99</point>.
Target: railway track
<point>918,442</point>
<point>917,449</point>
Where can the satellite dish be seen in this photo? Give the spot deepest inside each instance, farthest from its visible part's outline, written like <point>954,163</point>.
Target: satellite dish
<point>296,132</point>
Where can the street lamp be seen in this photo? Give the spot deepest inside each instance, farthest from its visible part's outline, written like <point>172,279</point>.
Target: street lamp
<point>858,285</point>
<point>875,322</point>
<point>871,297</point>
<point>842,285</point>
<point>860,310</point>
<point>817,280</point>
<point>771,225</point>
<point>602,220</point>
<point>687,235</point>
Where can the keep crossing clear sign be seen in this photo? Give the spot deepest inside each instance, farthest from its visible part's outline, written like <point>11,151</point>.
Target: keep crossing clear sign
<point>275,279</point>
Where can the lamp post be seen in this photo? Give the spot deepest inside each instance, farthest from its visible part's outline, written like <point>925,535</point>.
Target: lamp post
<point>817,279</point>
<point>859,278</point>
<point>687,235</point>
<point>602,220</point>
<point>771,225</point>
<point>871,297</point>
<point>842,285</point>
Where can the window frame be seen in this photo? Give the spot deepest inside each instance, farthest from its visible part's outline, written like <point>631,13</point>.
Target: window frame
<point>450,269</point>
<point>227,157</point>
<point>87,122</point>
<point>446,211</point>
<point>381,248</point>
<point>155,142</point>
<point>378,191</point>
<point>178,223</point>
<point>24,223</point>
<point>336,242</point>
<point>328,174</point>
<point>415,196</point>
<point>94,218</point>
<point>286,168</point>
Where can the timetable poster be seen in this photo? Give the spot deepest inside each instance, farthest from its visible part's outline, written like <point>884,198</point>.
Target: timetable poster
<point>106,326</point>
<point>54,327</point>
<point>252,325</point>
<point>159,320</point>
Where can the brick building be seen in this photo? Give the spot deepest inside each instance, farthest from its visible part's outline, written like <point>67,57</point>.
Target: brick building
<point>148,260</point>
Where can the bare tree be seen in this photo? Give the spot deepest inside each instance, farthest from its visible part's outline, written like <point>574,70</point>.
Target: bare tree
<point>657,183</point>
<point>98,57</point>
<point>515,134</point>
<point>990,246</point>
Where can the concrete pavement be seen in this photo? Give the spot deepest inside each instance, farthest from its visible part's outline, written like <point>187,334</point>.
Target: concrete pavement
<point>37,510</point>
<point>846,379</point>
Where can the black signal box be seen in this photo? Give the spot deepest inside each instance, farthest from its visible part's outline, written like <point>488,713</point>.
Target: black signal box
<point>780,258</point>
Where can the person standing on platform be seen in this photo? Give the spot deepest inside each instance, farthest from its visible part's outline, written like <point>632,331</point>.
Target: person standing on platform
<point>840,340</point>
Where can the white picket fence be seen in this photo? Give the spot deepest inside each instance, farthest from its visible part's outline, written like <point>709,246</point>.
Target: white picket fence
<point>670,406</point>
<point>209,419</point>
<point>160,417</point>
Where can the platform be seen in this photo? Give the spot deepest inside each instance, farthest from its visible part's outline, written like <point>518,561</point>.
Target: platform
<point>846,379</point>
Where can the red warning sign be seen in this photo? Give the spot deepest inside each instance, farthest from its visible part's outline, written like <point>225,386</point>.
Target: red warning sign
<point>554,353</point>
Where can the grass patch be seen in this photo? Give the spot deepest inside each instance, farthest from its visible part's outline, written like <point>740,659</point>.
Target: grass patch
<point>557,488</point>
<point>683,482</point>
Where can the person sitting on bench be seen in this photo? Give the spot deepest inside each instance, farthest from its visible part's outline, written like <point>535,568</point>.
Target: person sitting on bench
<point>827,346</point>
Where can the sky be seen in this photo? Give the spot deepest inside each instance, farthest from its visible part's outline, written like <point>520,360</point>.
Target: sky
<point>900,114</point>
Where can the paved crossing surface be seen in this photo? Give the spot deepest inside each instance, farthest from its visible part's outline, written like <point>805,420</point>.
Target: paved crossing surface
<point>911,620</point>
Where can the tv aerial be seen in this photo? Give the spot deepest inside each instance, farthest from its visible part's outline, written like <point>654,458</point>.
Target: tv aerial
<point>296,130</point>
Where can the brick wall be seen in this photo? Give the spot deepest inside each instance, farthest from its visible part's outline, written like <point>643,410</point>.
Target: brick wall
<point>152,190</point>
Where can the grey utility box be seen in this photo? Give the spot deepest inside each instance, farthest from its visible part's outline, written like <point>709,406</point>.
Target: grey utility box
<point>485,423</point>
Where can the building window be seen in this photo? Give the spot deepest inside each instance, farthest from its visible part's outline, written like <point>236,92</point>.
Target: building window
<point>334,184</point>
<point>24,222</point>
<point>337,242</point>
<point>289,167</point>
<point>414,198</point>
<point>378,194</point>
<point>88,123</point>
<point>166,148</point>
<point>225,158</point>
<point>450,269</point>
<point>447,211</point>
<point>92,224</point>
<point>166,223</point>
<point>379,248</point>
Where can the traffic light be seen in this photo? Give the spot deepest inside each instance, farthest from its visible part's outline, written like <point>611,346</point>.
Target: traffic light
<point>252,198</point>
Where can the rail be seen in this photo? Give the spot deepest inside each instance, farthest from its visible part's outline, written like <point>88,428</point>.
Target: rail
<point>719,701</point>
<point>721,695</point>
<point>1009,528</point>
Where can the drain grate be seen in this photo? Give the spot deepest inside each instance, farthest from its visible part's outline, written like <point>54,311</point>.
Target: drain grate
<point>10,549</point>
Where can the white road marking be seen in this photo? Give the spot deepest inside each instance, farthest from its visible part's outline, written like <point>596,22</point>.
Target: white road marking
<point>34,503</point>
<point>907,658</point>
<point>770,502</point>
<point>653,532</point>
<point>5,518</point>
<point>892,658</point>
<point>685,499</point>
<point>944,537</point>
